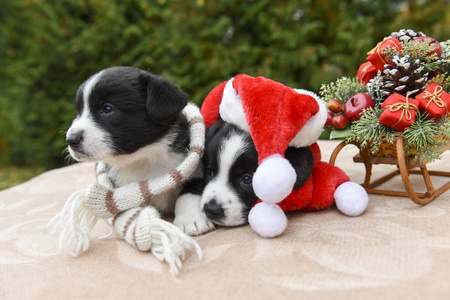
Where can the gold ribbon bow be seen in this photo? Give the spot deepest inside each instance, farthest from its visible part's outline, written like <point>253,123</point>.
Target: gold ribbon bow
<point>405,107</point>
<point>435,98</point>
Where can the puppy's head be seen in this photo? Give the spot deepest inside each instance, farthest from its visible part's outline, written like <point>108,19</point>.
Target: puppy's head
<point>230,160</point>
<point>119,111</point>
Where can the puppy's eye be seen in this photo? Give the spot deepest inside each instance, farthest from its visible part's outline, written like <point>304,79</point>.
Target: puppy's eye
<point>246,179</point>
<point>107,109</point>
<point>209,173</point>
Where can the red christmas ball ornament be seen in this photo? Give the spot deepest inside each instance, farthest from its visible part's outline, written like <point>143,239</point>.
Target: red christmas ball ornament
<point>431,41</point>
<point>335,106</point>
<point>339,122</point>
<point>356,104</point>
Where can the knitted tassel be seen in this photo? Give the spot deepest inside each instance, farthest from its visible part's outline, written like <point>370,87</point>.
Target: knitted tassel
<point>75,222</point>
<point>143,228</point>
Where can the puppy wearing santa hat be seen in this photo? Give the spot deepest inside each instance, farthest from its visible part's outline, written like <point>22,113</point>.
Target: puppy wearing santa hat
<point>283,125</point>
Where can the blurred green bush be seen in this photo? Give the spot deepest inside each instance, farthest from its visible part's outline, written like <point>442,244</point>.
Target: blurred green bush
<point>49,47</point>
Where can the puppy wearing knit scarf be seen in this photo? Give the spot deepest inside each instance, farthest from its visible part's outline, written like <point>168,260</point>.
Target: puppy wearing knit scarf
<point>133,201</point>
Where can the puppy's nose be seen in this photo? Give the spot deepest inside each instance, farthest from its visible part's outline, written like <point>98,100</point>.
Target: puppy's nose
<point>213,210</point>
<point>74,140</point>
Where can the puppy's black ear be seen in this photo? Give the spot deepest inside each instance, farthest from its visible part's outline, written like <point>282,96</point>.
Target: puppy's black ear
<point>302,159</point>
<point>211,132</point>
<point>164,99</point>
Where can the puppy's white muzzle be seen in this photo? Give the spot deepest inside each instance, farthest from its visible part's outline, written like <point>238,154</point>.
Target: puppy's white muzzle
<point>87,141</point>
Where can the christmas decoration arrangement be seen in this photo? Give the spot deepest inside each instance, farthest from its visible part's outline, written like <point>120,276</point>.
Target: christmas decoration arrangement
<point>402,89</point>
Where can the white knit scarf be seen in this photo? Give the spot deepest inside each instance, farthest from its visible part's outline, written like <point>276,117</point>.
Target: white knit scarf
<point>140,226</point>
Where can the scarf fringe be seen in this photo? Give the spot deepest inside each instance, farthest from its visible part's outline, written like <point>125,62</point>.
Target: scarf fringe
<point>75,222</point>
<point>143,228</point>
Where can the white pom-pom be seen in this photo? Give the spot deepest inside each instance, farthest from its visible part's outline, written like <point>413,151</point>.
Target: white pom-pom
<point>351,199</point>
<point>274,179</point>
<point>267,220</point>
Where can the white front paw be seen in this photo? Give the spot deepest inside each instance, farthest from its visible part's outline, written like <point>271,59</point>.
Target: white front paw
<point>193,225</point>
<point>189,217</point>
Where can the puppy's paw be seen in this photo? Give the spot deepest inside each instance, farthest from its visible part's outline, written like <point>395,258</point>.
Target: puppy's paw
<point>189,216</point>
<point>193,225</point>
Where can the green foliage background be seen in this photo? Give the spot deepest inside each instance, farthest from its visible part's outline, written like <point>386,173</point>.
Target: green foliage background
<point>49,47</point>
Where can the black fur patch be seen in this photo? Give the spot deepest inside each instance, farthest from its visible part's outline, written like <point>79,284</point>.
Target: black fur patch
<point>194,186</point>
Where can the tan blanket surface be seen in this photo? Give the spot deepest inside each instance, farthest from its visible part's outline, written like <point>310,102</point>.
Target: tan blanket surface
<point>395,250</point>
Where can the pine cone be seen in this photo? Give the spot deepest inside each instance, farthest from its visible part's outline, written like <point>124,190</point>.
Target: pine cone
<point>407,34</point>
<point>403,77</point>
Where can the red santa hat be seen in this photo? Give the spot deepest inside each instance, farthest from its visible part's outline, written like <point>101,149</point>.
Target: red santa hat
<point>276,117</point>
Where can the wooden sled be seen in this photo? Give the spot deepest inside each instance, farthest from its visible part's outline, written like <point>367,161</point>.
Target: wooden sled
<point>394,155</point>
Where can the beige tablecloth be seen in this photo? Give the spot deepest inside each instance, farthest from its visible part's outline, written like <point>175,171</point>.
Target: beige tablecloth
<point>395,250</point>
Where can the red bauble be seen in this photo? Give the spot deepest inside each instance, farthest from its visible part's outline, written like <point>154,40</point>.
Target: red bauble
<point>356,104</point>
<point>339,122</point>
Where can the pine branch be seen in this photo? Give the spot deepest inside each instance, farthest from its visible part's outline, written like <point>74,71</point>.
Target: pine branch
<point>368,132</point>
<point>424,138</point>
<point>442,80</point>
<point>419,51</point>
<point>445,50</point>
<point>342,89</point>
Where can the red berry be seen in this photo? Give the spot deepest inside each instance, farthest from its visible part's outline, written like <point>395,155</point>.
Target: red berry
<point>339,122</point>
<point>335,105</point>
<point>328,122</point>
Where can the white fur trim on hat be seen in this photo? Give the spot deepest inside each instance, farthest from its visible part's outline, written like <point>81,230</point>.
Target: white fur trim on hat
<point>267,220</point>
<point>231,109</point>
<point>351,199</point>
<point>274,179</point>
<point>311,131</point>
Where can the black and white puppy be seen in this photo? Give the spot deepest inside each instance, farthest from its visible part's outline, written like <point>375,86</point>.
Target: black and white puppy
<point>131,119</point>
<point>230,161</point>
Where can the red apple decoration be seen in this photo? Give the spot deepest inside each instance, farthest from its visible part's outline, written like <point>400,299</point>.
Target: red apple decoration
<point>328,123</point>
<point>339,122</point>
<point>335,105</point>
<point>356,104</point>
<point>429,40</point>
